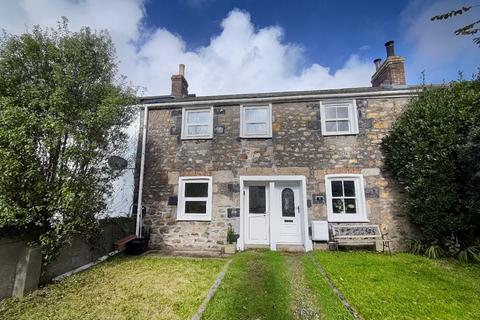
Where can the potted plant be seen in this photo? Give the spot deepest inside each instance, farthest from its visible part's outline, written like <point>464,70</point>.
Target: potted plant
<point>231,245</point>
<point>139,245</point>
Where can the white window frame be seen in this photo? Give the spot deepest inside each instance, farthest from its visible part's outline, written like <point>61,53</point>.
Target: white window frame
<point>181,215</point>
<point>361,215</point>
<point>185,135</point>
<point>243,130</point>
<point>352,116</point>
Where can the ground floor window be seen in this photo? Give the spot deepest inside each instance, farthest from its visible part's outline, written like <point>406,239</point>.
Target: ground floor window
<point>345,198</point>
<point>194,198</point>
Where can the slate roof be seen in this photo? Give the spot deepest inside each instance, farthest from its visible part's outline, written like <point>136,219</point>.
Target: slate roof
<point>192,97</point>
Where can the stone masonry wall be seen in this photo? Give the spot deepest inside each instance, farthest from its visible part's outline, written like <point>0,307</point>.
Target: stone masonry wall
<point>296,148</point>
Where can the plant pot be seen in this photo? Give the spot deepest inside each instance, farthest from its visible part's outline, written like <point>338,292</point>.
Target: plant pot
<point>137,246</point>
<point>230,248</point>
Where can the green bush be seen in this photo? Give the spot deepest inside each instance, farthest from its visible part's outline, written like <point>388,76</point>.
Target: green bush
<point>433,151</point>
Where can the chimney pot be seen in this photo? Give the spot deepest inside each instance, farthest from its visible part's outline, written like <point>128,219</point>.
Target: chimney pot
<point>378,63</point>
<point>181,69</point>
<point>390,48</point>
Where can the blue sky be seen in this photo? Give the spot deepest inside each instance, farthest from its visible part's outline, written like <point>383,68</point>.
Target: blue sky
<point>329,31</point>
<point>256,46</point>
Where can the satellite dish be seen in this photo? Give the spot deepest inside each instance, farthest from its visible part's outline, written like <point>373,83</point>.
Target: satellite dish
<point>117,163</point>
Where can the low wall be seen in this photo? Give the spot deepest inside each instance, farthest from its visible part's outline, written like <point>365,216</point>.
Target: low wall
<point>10,251</point>
<point>78,253</point>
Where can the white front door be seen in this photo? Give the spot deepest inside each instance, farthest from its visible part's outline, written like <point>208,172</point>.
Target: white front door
<point>257,206</point>
<point>290,218</point>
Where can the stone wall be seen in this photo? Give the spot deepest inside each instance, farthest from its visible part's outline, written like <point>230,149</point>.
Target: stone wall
<point>296,148</point>
<point>18,275</point>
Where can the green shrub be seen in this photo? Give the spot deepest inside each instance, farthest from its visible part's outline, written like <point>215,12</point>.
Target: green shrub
<point>433,151</point>
<point>63,111</point>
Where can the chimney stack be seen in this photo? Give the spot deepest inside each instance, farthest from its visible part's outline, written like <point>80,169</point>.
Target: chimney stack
<point>179,83</point>
<point>391,73</point>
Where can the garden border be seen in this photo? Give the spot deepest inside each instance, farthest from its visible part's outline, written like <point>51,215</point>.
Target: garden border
<point>211,292</point>
<point>351,310</point>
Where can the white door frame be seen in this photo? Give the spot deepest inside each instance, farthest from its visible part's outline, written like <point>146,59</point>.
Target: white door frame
<point>248,216</point>
<point>307,242</point>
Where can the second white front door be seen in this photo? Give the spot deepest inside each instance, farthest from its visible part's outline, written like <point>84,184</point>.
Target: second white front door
<point>289,213</point>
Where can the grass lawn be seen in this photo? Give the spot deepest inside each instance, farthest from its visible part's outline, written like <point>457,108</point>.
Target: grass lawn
<point>260,285</point>
<point>146,287</point>
<point>255,287</point>
<point>405,286</point>
<point>270,285</point>
<point>329,304</point>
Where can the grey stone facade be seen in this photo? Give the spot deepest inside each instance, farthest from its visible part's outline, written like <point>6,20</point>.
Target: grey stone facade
<point>297,147</point>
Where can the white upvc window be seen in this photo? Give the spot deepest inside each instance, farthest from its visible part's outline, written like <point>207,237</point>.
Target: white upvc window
<point>194,198</point>
<point>256,121</point>
<point>197,123</point>
<point>345,198</point>
<point>339,117</point>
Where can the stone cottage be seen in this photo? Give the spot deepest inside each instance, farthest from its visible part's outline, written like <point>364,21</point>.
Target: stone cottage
<point>269,164</point>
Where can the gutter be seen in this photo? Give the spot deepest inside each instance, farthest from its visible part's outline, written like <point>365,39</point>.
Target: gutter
<point>303,97</point>
<point>139,224</point>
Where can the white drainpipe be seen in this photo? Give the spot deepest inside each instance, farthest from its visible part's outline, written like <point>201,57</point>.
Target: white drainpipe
<point>138,230</point>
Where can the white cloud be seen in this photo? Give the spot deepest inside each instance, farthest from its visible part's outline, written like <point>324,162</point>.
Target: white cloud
<point>435,47</point>
<point>239,59</point>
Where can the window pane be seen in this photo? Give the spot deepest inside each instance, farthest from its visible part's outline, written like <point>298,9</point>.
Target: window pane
<point>256,115</point>
<point>331,126</point>
<point>350,206</point>
<point>288,203</point>
<point>197,130</point>
<point>343,125</point>
<point>256,128</point>
<point>342,112</point>
<point>349,187</point>
<point>330,112</point>
<point>337,205</point>
<point>256,201</point>
<point>198,117</point>
<point>196,189</point>
<point>195,207</point>
<point>337,189</point>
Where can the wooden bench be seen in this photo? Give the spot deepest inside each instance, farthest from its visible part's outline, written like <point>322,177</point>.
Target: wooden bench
<point>360,235</point>
<point>121,244</point>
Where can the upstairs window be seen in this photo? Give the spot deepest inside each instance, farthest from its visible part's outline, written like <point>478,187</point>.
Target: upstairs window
<point>338,117</point>
<point>194,198</point>
<point>345,198</point>
<point>256,121</point>
<point>197,123</point>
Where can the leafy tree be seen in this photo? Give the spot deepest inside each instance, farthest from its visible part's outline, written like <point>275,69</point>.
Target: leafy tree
<point>433,150</point>
<point>469,29</point>
<point>63,110</point>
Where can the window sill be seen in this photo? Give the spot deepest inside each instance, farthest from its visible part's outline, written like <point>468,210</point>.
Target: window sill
<point>206,219</point>
<point>255,137</point>
<point>339,134</point>
<point>197,138</point>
